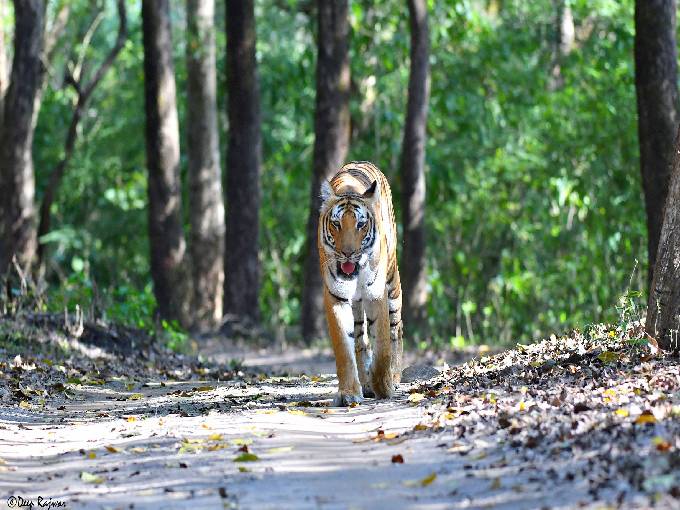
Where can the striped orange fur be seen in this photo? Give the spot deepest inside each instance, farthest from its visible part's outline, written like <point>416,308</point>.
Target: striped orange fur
<point>357,242</point>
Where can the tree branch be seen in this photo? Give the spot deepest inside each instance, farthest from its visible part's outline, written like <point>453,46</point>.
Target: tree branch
<point>84,92</point>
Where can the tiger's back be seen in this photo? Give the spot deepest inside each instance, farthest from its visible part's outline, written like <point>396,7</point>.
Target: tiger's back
<point>362,290</point>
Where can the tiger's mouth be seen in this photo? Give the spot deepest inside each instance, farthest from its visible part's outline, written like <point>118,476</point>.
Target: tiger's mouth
<point>348,269</point>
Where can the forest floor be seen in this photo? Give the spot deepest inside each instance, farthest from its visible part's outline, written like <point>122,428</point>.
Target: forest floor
<point>95,418</point>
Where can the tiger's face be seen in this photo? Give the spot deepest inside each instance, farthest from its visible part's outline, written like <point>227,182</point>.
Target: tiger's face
<point>348,229</point>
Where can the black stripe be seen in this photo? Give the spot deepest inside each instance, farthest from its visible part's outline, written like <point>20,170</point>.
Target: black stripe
<point>374,279</point>
<point>358,323</point>
<point>370,322</point>
<point>392,325</point>
<point>344,300</point>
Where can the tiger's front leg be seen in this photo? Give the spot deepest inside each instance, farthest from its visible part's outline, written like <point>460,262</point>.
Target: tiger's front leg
<point>382,380</point>
<point>341,329</point>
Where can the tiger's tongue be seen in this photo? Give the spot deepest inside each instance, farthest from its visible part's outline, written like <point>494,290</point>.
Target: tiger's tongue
<point>347,267</point>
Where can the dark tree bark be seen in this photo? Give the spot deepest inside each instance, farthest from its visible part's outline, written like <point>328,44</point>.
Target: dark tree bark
<point>331,142</point>
<point>206,206</point>
<point>166,236</point>
<point>656,74</point>
<point>663,310</point>
<point>244,159</point>
<point>16,139</point>
<point>84,93</point>
<point>413,168</point>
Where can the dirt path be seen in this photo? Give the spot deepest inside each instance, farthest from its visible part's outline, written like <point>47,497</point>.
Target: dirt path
<point>547,426</point>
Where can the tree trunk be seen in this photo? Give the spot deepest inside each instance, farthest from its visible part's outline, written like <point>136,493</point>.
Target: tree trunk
<point>206,206</point>
<point>331,142</point>
<point>656,74</point>
<point>663,310</point>
<point>244,159</point>
<point>166,236</point>
<point>413,168</point>
<point>565,38</point>
<point>16,139</point>
<point>4,75</point>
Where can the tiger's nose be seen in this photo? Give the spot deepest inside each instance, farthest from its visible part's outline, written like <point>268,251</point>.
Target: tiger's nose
<point>347,254</point>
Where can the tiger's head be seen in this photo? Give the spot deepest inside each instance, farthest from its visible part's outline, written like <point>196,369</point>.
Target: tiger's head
<point>347,227</point>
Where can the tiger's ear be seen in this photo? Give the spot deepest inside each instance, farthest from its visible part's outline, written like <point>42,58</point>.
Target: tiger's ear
<point>326,191</point>
<point>370,192</point>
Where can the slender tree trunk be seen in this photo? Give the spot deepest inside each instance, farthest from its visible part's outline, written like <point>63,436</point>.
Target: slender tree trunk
<point>656,74</point>
<point>206,206</point>
<point>331,142</point>
<point>84,91</point>
<point>663,310</point>
<point>4,75</point>
<point>166,236</point>
<point>565,38</point>
<point>16,139</point>
<point>413,167</point>
<point>244,160</point>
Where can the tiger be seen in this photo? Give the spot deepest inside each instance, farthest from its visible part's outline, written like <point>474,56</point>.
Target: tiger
<point>357,244</point>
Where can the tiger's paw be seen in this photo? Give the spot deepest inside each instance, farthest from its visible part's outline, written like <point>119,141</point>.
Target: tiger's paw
<point>382,384</point>
<point>347,400</point>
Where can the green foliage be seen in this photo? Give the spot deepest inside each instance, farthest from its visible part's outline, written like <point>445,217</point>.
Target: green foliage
<point>535,215</point>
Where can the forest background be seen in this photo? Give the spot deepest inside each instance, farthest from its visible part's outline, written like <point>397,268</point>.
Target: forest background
<point>535,215</point>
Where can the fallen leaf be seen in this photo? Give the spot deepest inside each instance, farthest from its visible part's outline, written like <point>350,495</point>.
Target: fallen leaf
<point>661,444</point>
<point>246,457</point>
<point>137,449</point>
<point>239,441</point>
<point>496,484</point>
<point>644,418</point>
<point>131,418</point>
<point>608,356</point>
<point>298,412</point>
<point>421,426</point>
<point>415,397</point>
<point>280,449</point>
<point>397,459</point>
<point>622,412</point>
<point>215,437</point>
<point>90,478</point>
<point>91,455</point>
<point>112,449</point>
<point>243,469</point>
<point>428,479</point>
<point>203,388</point>
<point>135,396</point>
<point>24,405</point>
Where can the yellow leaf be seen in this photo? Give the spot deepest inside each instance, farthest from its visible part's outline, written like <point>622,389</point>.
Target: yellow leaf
<point>90,478</point>
<point>205,426</point>
<point>609,392</point>
<point>24,405</point>
<point>645,417</point>
<point>135,396</point>
<point>112,449</point>
<point>608,356</point>
<point>297,412</point>
<point>621,412</point>
<point>217,446</point>
<point>138,449</point>
<point>215,437</point>
<point>267,411</point>
<point>91,455</point>
<point>131,418</point>
<point>415,397</point>
<point>420,426</point>
<point>522,406</point>
<point>428,479</point>
<point>239,441</point>
<point>280,449</point>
